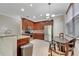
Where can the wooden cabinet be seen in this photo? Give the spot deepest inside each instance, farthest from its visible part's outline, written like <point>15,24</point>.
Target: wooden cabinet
<point>38,36</point>
<point>26,24</point>
<point>38,26</point>
<point>35,25</point>
<point>20,42</point>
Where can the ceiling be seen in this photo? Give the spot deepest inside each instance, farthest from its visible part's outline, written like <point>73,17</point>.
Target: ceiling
<point>33,12</point>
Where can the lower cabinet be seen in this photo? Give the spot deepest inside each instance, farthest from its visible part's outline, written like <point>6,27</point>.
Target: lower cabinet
<point>20,43</point>
<point>38,36</point>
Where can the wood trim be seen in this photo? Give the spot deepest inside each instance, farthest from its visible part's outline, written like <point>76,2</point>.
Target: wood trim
<point>66,49</point>
<point>37,21</point>
<point>45,21</point>
<point>58,52</point>
<point>69,7</point>
<point>22,41</point>
<point>26,19</point>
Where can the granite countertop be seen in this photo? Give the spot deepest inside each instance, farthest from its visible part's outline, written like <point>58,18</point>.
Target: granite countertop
<point>8,35</point>
<point>23,36</point>
<point>19,36</point>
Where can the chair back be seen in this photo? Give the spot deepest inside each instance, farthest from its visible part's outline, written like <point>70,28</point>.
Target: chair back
<point>72,42</point>
<point>61,35</point>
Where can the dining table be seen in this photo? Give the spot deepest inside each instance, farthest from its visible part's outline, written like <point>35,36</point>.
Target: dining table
<point>61,44</point>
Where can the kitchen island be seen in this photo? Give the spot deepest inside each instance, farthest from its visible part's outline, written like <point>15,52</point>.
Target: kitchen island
<point>22,40</point>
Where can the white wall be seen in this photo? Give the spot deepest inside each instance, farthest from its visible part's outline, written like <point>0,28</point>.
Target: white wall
<point>8,45</point>
<point>58,26</point>
<point>9,23</point>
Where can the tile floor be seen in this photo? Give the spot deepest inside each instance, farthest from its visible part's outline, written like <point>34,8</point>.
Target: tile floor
<point>41,48</point>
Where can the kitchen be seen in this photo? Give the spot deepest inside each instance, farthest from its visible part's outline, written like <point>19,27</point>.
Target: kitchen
<point>22,23</point>
<point>35,30</point>
<point>32,28</point>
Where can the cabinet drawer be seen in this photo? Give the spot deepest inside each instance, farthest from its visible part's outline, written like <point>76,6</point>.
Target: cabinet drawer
<point>38,36</point>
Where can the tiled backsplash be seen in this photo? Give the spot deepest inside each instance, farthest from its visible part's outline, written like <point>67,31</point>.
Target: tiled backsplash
<point>37,31</point>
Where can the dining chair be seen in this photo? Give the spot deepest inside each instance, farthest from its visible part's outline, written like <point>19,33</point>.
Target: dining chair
<point>70,47</point>
<point>61,35</point>
<point>52,47</point>
<point>67,49</point>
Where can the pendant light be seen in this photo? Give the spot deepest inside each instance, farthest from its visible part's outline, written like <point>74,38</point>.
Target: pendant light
<point>49,10</point>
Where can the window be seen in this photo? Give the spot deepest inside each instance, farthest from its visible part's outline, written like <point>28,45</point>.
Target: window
<point>77,25</point>
<point>70,29</point>
<point>72,24</point>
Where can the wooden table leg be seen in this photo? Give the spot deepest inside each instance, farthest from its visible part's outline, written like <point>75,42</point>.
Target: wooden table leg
<point>66,49</point>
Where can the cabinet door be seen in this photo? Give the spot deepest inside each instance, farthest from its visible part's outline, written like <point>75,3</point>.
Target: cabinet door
<point>38,36</point>
<point>38,26</point>
<point>24,24</point>
<point>41,26</point>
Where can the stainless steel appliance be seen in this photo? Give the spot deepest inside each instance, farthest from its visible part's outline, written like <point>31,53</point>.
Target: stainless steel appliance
<point>48,32</point>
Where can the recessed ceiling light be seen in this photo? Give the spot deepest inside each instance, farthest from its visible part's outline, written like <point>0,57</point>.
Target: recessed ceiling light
<point>30,5</point>
<point>22,9</point>
<point>41,15</point>
<point>34,16</point>
<point>47,14</point>
<point>53,15</point>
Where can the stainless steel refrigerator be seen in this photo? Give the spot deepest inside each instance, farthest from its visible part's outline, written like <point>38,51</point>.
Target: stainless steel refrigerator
<point>48,32</point>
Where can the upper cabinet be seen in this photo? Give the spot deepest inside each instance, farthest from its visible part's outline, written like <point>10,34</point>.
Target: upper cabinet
<point>38,26</point>
<point>26,24</point>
